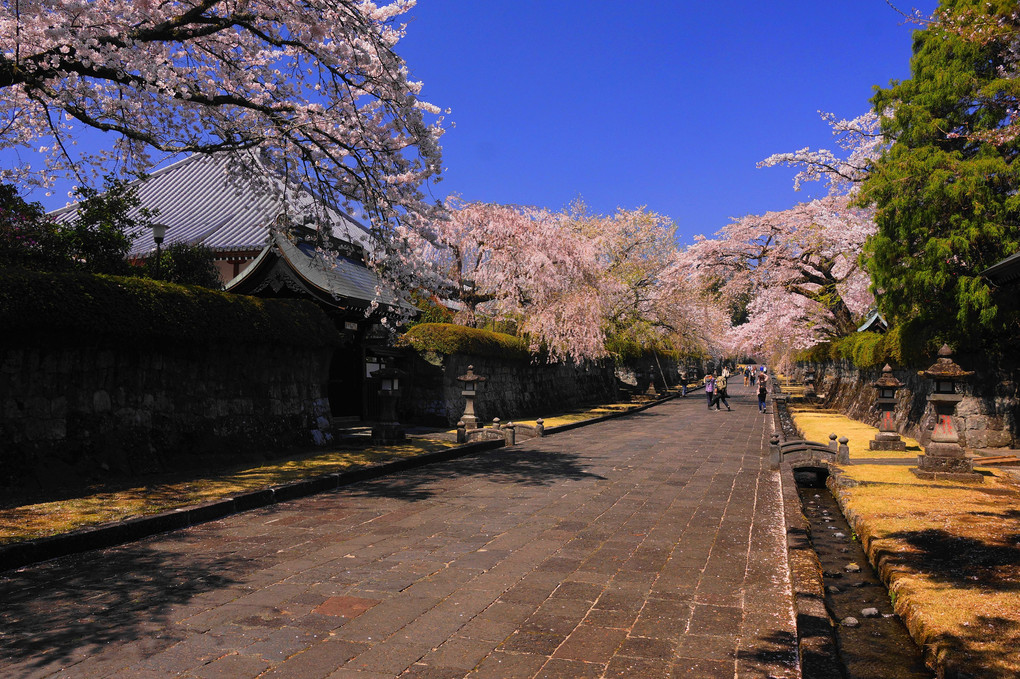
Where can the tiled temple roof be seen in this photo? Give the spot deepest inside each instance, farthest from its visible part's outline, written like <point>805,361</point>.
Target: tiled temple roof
<point>200,201</point>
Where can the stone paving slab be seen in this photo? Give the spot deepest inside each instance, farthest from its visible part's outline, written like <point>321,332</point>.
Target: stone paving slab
<point>646,546</point>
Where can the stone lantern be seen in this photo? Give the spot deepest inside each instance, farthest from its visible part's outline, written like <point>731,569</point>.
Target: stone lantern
<point>470,381</point>
<point>809,383</point>
<point>387,429</point>
<point>888,437</point>
<point>944,457</point>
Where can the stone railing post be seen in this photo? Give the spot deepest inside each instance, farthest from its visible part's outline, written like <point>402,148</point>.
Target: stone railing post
<point>775,456</point>
<point>843,453</point>
<point>540,426</point>
<point>510,433</point>
<point>832,443</point>
<point>461,432</point>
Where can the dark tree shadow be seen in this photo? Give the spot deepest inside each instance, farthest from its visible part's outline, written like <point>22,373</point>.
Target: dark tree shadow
<point>777,646</point>
<point>964,562</point>
<point>56,612</point>
<point>969,655</point>
<point>521,465</point>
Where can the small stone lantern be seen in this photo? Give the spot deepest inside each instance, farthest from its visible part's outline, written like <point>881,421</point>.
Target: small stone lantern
<point>944,457</point>
<point>387,429</point>
<point>887,438</point>
<point>470,381</point>
<point>809,384</point>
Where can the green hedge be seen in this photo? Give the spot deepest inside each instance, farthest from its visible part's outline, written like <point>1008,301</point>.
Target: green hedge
<point>447,339</point>
<point>70,308</point>
<point>863,349</point>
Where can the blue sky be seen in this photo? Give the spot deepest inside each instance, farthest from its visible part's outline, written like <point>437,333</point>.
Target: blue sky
<point>657,103</point>
<point>667,104</point>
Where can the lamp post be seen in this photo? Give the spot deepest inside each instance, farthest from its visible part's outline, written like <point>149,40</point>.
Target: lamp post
<point>887,437</point>
<point>158,233</point>
<point>469,391</point>
<point>944,457</point>
<point>387,429</point>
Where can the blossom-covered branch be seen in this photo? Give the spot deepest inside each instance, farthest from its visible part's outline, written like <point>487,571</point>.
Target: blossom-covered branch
<point>313,90</point>
<point>861,138</point>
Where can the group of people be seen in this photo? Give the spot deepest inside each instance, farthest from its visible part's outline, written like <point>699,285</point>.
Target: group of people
<point>715,387</point>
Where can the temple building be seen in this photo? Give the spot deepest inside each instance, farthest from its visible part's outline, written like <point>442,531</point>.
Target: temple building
<point>268,241</point>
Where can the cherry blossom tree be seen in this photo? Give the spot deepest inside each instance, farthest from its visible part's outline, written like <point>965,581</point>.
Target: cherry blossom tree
<point>648,300</point>
<point>312,91</point>
<point>517,266</point>
<point>578,284</point>
<point>796,270</point>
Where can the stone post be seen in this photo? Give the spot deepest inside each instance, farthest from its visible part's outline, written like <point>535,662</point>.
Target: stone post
<point>843,452</point>
<point>510,433</point>
<point>832,443</point>
<point>540,426</point>
<point>887,438</point>
<point>461,432</point>
<point>944,457</point>
<point>775,456</point>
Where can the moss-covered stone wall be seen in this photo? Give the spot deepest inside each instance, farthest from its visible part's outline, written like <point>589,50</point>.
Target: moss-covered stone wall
<point>517,384</point>
<point>986,417</point>
<point>104,377</point>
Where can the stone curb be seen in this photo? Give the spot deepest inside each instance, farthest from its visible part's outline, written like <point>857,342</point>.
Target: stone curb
<point>22,554</point>
<point>816,638</point>
<point>817,650</point>
<point>559,429</point>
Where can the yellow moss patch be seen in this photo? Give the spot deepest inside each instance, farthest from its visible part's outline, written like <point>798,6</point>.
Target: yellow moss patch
<point>818,424</point>
<point>950,554</point>
<point>51,518</point>
<point>585,414</point>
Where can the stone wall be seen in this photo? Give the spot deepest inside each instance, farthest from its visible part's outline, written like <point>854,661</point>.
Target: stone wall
<point>986,417</point>
<point>75,413</point>
<point>515,389</point>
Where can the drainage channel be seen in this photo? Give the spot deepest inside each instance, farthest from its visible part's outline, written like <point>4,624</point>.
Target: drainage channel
<point>871,640</point>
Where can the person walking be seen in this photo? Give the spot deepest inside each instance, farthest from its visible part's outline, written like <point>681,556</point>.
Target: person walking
<point>747,376</point>
<point>763,391</point>
<point>683,384</point>
<point>709,388</point>
<point>720,394</point>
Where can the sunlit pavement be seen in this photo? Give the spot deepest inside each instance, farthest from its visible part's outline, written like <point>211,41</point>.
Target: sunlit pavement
<point>646,546</point>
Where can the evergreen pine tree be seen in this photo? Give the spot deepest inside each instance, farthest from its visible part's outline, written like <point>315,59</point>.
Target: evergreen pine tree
<point>946,200</point>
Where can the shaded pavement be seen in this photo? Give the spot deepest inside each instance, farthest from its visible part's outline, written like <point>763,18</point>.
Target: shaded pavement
<point>646,546</point>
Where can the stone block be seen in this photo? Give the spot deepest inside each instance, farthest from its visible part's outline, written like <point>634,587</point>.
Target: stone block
<point>12,361</point>
<point>989,438</point>
<point>887,445</point>
<point>38,407</point>
<point>45,429</point>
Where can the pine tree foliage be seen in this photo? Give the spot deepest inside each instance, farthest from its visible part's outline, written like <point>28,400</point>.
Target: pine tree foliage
<point>946,203</point>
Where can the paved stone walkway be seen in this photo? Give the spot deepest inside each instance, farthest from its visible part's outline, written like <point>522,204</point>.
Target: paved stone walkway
<point>647,546</point>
